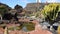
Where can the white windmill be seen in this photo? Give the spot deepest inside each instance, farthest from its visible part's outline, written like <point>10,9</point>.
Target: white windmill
<point>38,1</point>
<point>38,4</point>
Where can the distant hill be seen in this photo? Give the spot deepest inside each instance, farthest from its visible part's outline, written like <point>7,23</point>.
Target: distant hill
<point>9,8</point>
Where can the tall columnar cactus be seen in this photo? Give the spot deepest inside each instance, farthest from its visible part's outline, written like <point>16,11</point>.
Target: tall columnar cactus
<point>58,29</point>
<point>6,30</point>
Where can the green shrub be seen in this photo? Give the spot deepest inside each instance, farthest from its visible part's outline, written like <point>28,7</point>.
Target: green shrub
<point>30,26</point>
<point>11,28</point>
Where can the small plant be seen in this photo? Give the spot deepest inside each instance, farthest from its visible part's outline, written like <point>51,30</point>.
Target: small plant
<point>18,27</point>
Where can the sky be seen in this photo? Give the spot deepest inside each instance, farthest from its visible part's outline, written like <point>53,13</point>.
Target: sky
<point>23,3</point>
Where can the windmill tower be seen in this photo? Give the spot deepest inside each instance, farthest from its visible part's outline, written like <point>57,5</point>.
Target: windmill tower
<point>38,1</point>
<point>46,2</point>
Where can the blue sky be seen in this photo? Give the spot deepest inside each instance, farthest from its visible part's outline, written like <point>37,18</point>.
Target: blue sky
<point>23,3</point>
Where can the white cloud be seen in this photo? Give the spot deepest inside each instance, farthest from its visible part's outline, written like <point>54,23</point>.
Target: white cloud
<point>51,1</point>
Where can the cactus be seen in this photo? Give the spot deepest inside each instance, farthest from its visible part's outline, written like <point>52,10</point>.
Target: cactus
<point>6,30</point>
<point>58,29</point>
